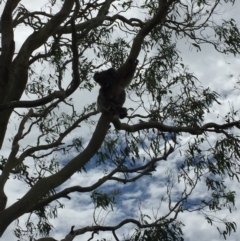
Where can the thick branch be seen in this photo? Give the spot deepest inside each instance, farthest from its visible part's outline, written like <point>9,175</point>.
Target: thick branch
<point>56,94</point>
<point>8,46</point>
<point>65,192</point>
<point>19,74</point>
<point>75,82</point>
<point>138,41</point>
<point>147,168</point>
<point>213,127</point>
<point>33,42</point>
<point>57,142</point>
<point>34,103</point>
<point>45,184</point>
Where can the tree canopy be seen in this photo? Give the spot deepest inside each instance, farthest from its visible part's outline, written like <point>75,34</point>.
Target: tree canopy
<point>57,149</point>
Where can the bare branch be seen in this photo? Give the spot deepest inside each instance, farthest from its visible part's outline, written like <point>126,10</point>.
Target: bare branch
<point>161,127</point>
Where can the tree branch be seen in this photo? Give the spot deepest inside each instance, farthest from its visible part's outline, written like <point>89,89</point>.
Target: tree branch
<point>45,184</point>
<point>161,127</point>
<point>20,65</point>
<point>138,40</point>
<point>7,45</point>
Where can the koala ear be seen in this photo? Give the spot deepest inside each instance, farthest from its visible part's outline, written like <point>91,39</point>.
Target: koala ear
<point>96,76</point>
<point>106,78</point>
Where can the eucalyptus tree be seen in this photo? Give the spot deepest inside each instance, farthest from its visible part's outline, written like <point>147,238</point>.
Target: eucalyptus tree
<point>46,82</point>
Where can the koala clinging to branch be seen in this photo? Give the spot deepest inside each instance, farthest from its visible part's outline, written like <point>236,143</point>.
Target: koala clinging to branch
<point>111,94</point>
<point>110,98</point>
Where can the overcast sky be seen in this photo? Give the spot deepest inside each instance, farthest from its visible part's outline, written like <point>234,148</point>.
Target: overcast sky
<point>215,70</point>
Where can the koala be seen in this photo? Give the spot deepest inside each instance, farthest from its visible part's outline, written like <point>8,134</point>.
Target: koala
<point>112,95</point>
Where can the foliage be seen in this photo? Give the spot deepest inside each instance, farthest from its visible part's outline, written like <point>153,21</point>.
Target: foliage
<point>58,132</point>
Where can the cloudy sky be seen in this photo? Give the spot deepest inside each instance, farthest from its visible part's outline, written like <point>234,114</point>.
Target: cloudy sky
<point>214,70</point>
